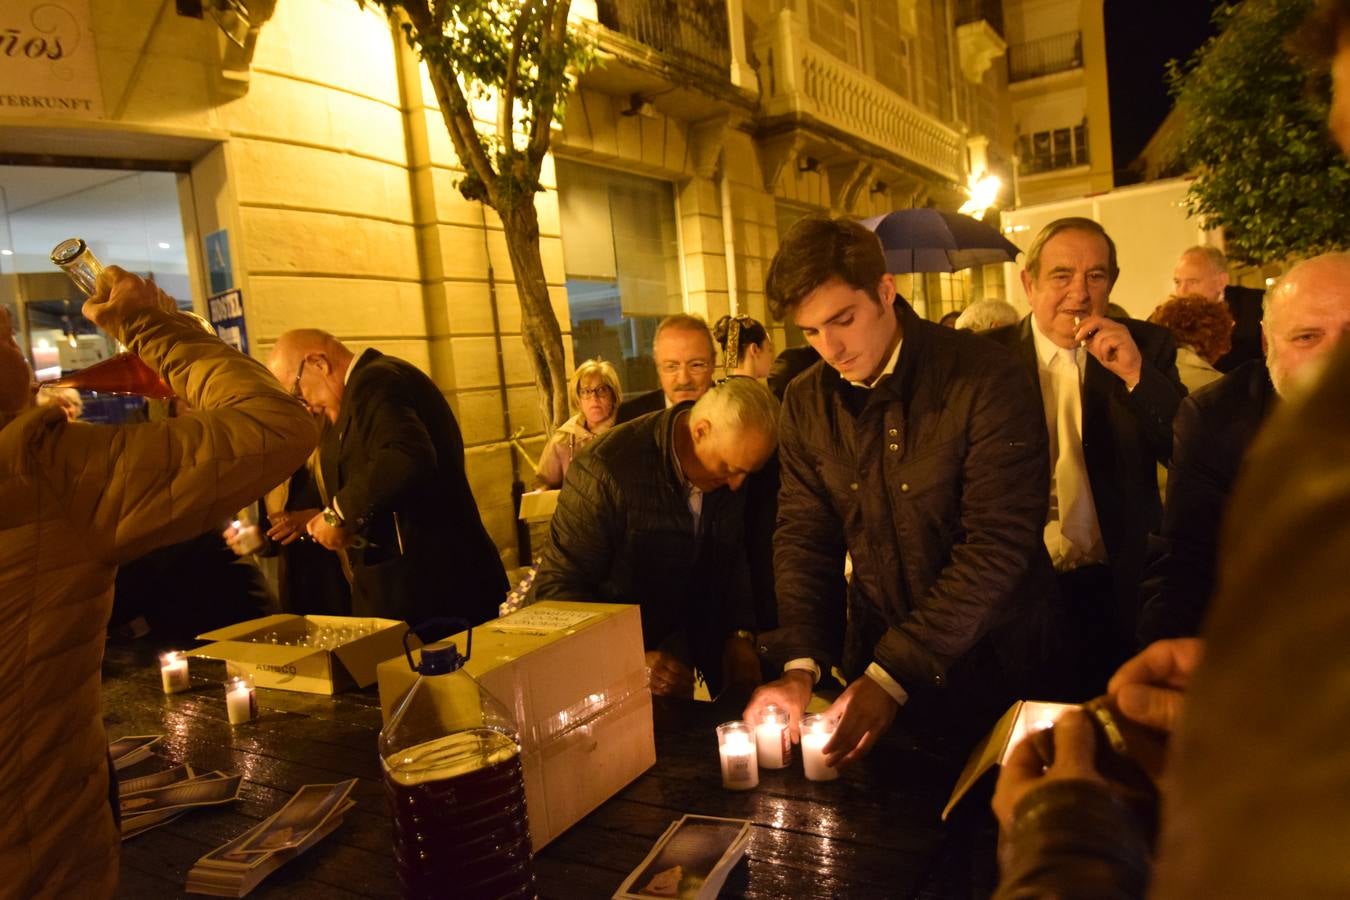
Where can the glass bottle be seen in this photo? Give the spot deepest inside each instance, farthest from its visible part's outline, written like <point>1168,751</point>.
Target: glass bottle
<point>124,373</point>
<point>452,771</point>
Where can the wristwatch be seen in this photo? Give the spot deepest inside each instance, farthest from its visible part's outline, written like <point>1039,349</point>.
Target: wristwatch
<point>745,635</point>
<point>331,518</point>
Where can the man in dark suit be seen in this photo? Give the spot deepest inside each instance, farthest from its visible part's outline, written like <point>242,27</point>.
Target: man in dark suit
<point>1307,316</point>
<point>1110,389</point>
<point>399,504</point>
<point>684,354</point>
<point>1203,271</point>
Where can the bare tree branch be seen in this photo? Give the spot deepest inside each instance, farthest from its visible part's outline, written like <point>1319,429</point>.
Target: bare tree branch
<point>454,106</point>
<point>506,103</point>
<point>552,41</point>
<point>469,46</point>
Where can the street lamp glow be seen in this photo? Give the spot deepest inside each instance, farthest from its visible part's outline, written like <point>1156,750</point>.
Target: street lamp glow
<point>6,252</point>
<point>983,192</point>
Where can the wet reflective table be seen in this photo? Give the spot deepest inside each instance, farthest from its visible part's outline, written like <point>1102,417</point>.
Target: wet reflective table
<point>874,832</point>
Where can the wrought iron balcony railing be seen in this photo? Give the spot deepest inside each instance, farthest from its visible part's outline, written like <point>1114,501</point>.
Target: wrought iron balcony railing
<point>1057,53</point>
<point>692,33</point>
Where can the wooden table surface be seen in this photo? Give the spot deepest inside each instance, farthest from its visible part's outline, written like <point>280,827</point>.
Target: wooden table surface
<point>874,832</point>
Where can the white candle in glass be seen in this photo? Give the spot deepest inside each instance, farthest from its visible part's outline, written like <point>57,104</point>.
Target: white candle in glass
<point>772,739</point>
<point>173,672</point>
<point>740,767</point>
<point>816,733</point>
<point>240,703</point>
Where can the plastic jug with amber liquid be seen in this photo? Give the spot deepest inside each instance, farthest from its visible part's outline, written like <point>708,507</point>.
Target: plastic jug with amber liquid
<point>452,771</point>
<point>124,373</point>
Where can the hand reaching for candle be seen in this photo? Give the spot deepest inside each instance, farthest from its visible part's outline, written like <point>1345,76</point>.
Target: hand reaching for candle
<point>862,714</point>
<point>288,525</point>
<point>1025,768</point>
<point>669,676</point>
<point>790,693</point>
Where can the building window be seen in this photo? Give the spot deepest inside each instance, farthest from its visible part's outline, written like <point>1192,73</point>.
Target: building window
<point>834,26</point>
<point>621,255</point>
<point>892,53</point>
<point>1058,148</point>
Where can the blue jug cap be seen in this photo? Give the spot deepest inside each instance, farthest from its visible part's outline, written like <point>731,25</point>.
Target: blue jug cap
<point>440,660</point>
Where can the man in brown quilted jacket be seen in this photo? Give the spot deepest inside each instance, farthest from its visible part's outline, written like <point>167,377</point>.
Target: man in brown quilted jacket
<point>76,500</point>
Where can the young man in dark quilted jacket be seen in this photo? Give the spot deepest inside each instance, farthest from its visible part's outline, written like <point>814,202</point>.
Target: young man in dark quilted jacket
<point>920,452</point>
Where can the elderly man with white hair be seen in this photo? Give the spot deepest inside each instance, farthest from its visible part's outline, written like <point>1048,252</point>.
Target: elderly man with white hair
<point>1307,313</point>
<point>986,315</point>
<point>652,515</point>
<point>1203,271</point>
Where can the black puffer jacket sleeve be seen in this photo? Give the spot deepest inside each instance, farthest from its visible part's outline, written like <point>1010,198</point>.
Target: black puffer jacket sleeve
<point>584,535</point>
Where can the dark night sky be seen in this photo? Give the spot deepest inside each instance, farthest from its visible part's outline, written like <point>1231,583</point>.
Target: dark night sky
<point>1141,35</point>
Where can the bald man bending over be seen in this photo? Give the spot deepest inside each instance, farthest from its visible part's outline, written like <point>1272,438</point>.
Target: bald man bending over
<point>398,502</point>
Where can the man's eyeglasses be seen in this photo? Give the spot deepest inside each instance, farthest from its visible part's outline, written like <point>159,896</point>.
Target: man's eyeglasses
<point>295,386</point>
<point>695,367</point>
<point>598,393</point>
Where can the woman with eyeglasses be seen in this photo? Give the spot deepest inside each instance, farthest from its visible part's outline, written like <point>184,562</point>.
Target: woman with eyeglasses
<point>746,346</point>
<point>595,392</point>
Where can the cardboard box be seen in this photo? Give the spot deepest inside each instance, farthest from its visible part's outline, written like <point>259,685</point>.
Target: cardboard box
<point>574,677</point>
<point>1022,717</point>
<point>246,651</point>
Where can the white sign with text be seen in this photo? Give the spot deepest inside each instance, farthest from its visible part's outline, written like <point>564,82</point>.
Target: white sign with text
<point>48,63</point>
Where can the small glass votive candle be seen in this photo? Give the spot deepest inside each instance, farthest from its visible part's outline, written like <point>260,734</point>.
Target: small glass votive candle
<point>247,537</point>
<point>816,733</point>
<point>772,738</point>
<point>173,672</point>
<point>740,766</point>
<point>241,703</point>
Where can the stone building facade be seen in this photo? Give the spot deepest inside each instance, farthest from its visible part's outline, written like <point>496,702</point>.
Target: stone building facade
<point>310,137</point>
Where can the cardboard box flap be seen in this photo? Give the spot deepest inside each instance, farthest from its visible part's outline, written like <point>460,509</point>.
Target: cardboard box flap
<point>240,629</point>
<point>359,660</point>
<point>267,654</point>
<point>376,622</point>
<point>269,649</point>
<point>1022,717</point>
